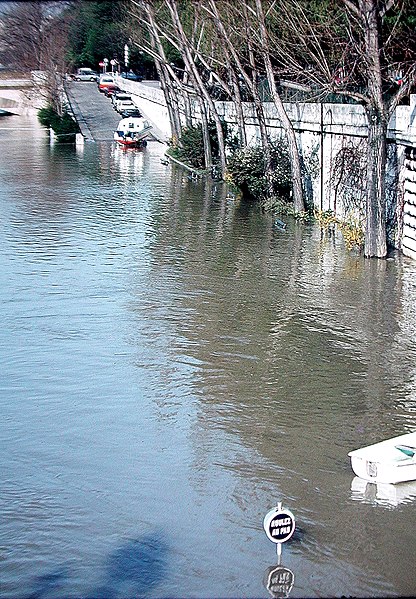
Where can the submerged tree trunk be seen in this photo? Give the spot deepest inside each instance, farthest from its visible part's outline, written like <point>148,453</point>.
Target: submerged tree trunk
<point>375,228</point>
<point>295,163</point>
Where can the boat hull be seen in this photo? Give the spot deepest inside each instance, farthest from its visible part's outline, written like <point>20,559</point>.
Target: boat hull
<point>132,132</point>
<point>384,463</point>
<point>140,143</point>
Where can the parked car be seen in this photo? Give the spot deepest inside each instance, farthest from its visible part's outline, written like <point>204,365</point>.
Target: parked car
<point>132,76</point>
<point>110,91</point>
<point>126,106</point>
<point>119,96</point>
<point>85,74</point>
<point>132,113</point>
<point>106,82</point>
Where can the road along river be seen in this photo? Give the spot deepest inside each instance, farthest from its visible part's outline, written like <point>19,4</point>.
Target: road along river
<point>172,368</point>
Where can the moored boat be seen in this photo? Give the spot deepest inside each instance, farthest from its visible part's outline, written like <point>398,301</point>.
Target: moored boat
<point>132,132</point>
<point>390,461</point>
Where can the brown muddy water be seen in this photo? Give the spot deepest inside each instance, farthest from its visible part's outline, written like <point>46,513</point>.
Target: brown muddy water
<point>173,366</point>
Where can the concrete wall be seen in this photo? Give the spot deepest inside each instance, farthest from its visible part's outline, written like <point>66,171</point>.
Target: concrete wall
<point>408,237</point>
<point>19,97</point>
<point>323,130</point>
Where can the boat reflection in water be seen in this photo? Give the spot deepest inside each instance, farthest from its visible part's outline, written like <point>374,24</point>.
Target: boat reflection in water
<point>128,163</point>
<point>382,493</point>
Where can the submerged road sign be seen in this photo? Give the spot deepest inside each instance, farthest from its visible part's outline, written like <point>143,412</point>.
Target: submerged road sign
<point>279,524</point>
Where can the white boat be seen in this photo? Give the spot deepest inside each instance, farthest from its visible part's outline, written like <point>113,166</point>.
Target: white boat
<point>392,461</point>
<point>132,132</point>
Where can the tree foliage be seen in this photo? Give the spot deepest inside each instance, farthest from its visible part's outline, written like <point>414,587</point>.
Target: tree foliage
<point>97,31</point>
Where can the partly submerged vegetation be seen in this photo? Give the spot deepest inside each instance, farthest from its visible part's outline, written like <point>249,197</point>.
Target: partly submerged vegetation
<point>344,50</point>
<point>64,126</point>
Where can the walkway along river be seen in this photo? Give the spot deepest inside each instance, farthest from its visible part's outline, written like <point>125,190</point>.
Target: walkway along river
<point>95,113</point>
<point>172,368</point>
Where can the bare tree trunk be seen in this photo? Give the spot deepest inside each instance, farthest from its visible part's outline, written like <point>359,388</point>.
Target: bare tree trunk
<point>172,102</point>
<point>170,93</point>
<point>205,134</point>
<point>190,64</point>
<point>375,233</point>
<point>242,136</point>
<point>187,101</point>
<point>375,229</point>
<point>298,201</point>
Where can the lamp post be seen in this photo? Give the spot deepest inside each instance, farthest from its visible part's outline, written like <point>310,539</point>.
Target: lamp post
<point>126,56</point>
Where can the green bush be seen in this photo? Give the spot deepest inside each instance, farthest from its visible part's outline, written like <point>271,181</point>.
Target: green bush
<point>247,170</point>
<point>63,126</point>
<point>191,145</point>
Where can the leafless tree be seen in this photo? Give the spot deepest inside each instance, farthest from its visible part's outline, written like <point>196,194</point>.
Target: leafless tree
<point>147,37</point>
<point>189,60</point>
<point>362,49</point>
<point>34,39</point>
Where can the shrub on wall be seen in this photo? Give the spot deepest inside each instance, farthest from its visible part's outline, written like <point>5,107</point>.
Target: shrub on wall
<point>247,170</point>
<point>190,146</point>
<point>63,126</point>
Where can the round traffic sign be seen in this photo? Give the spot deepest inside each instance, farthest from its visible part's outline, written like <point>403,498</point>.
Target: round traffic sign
<point>279,524</point>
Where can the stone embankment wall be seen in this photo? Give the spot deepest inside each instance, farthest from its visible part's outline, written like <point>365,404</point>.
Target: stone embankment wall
<point>19,96</point>
<point>322,130</point>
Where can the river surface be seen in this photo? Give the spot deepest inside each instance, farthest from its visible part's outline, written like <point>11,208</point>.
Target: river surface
<point>173,366</point>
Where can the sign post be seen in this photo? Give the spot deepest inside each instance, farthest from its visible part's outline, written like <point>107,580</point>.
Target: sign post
<point>279,525</point>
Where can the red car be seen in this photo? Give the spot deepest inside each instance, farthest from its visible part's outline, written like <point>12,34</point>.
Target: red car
<point>107,82</point>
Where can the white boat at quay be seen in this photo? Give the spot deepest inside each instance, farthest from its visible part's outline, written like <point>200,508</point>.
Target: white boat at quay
<point>392,461</point>
<point>132,132</point>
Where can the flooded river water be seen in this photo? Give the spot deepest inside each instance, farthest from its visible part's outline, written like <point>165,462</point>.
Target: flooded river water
<point>172,367</point>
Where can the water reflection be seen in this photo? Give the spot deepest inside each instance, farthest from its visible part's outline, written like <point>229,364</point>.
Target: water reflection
<point>129,162</point>
<point>167,352</point>
<point>279,581</point>
<point>382,494</point>
<point>134,569</point>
